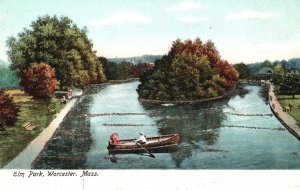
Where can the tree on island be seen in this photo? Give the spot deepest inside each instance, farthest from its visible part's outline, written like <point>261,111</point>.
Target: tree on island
<point>39,80</point>
<point>61,44</point>
<point>139,69</point>
<point>191,70</point>
<point>9,111</point>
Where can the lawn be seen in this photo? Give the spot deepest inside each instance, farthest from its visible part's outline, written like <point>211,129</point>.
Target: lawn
<point>14,139</point>
<point>285,100</point>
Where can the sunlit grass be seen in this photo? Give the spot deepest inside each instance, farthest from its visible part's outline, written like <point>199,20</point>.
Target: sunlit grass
<point>19,95</point>
<point>285,100</point>
<point>14,139</point>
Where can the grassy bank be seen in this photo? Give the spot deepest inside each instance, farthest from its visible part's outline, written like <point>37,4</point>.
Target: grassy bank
<point>285,100</point>
<point>14,139</point>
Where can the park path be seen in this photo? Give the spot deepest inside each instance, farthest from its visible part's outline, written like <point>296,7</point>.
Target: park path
<point>28,155</point>
<point>288,121</point>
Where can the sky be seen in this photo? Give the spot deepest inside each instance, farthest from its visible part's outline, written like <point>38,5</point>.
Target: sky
<point>243,30</point>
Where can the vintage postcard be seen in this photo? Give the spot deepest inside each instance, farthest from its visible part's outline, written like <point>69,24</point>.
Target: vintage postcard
<point>128,94</point>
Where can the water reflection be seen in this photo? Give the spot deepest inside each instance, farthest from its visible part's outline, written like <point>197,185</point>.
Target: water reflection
<point>67,149</point>
<point>198,125</point>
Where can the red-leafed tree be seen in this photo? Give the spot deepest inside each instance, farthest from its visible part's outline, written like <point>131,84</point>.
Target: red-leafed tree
<point>228,72</point>
<point>39,80</point>
<point>9,110</point>
<point>140,68</point>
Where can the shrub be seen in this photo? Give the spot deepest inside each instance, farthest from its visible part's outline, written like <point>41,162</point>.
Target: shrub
<point>39,80</point>
<point>9,110</point>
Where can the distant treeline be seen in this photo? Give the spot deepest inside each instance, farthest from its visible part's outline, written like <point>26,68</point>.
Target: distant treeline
<point>292,64</point>
<point>135,60</point>
<point>124,69</point>
<point>8,78</point>
<point>247,71</point>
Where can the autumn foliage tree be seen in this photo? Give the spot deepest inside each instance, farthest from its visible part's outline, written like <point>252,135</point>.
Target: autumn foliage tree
<point>9,111</point>
<point>39,80</point>
<point>191,70</point>
<point>140,68</point>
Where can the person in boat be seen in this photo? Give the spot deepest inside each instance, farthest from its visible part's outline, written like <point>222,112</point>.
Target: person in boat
<point>142,139</point>
<point>114,138</point>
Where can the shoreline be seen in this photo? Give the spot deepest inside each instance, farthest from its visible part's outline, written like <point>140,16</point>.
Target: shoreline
<point>25,158</point>
<point>187,102</point>
<point>288,121</point>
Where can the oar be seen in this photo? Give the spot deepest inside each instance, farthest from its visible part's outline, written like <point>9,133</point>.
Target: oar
<point>151,155</point>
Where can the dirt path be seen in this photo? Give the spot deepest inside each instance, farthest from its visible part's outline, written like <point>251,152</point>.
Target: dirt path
<point>28,155</point>
<point>288,121</point>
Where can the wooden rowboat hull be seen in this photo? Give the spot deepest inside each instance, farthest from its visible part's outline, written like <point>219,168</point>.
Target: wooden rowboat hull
<point>165,143</point>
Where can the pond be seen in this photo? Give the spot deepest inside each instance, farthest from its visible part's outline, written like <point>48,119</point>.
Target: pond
<point>236,133</point>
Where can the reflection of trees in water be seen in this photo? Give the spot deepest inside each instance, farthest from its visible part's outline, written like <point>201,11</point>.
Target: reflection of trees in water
<point>241,90</point>
<point>264,94</point>
<point>263,91</point>
<point>94,89</point>
<point>70,143</point>
<point>195,124</point>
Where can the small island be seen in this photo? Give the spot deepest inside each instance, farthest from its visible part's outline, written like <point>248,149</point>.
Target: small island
<point>192,71</point>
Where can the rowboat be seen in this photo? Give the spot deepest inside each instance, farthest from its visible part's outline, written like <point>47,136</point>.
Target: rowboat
<point>162,143</point>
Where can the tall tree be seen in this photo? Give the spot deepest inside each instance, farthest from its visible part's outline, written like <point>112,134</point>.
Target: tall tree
<point>278,74</point>
<point>61,44</point>
<point>290,84</point>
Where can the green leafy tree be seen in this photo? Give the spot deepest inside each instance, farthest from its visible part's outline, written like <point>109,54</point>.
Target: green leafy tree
<point>9,110</point>
<point>39,80</point>
<point>243,70</point>
<point>266,63</point>
<point>117,71</point>
<point>279,72</point>
<point>290,84</point>
<point>191,70</point>
<point>61,44</point>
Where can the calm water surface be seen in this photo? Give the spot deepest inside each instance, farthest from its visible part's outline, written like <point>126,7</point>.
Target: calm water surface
<point>212,137</point>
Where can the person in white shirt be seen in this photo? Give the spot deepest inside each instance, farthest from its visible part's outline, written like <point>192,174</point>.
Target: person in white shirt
<point>142,139</point>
